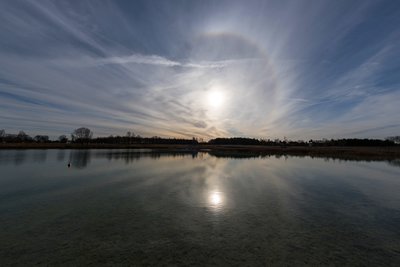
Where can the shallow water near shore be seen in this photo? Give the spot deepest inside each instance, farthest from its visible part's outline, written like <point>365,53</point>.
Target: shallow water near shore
<point>140,207</point>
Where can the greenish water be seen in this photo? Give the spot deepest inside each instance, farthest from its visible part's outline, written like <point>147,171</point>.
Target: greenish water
<point>119,207</point>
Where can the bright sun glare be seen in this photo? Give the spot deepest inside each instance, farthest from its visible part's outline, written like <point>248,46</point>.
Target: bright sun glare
<point>216,98</point>
<point>215,199</point>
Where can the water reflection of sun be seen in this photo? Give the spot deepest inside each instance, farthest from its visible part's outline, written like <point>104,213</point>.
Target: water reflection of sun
<point>215,199</point>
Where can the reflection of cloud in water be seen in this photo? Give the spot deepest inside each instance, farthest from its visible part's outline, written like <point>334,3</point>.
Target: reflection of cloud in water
<point>274,208</point>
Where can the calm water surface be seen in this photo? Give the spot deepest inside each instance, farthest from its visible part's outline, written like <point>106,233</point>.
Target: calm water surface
<point>119,207</point>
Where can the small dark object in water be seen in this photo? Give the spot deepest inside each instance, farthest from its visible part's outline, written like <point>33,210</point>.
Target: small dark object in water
<point>69,165</point>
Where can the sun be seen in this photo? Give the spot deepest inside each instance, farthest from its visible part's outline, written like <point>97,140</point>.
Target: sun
<point>215,98</point>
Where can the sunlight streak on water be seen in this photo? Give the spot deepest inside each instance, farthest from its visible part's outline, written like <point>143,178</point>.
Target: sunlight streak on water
<point>216,200</point>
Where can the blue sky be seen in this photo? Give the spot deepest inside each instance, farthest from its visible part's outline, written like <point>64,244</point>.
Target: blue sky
<point>265,69</point>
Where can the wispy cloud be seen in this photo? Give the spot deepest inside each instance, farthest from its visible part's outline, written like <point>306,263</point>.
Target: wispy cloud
<point>140,59</point>
<point>114,67</point>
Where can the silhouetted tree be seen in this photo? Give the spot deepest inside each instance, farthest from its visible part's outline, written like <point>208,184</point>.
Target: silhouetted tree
<point>395,139</point>
<point>130,134</point>
<point>81,135</point>
<point>235,141</point>
<point>2,135</point>
<point>63,138</point>
<point>41,138</point>
<point>129,137</point>
<point>23,137</point>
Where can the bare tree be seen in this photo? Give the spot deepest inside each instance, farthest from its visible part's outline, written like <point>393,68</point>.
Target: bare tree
<point>22,136</point>
<point>130,135</point>
<point>394,139</point>
<point>41,138</point>
<point>81,134</point>
<point>63,138</point>
<point>2,135</point>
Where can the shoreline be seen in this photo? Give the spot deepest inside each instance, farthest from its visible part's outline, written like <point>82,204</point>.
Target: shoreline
<point>391,152</point>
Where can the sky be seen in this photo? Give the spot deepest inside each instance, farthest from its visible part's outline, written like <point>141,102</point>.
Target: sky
<point>264,69</point>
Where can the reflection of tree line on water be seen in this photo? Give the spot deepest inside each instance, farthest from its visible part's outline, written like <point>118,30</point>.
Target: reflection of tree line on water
<point>80,158</point>
<point>20,156</point>
<point>334,155</point>
<point>395,162</point>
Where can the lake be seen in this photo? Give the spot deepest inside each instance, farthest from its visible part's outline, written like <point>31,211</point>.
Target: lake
<point>140,207</point>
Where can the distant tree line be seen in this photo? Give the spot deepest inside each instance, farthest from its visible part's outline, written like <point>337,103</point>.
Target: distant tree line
<point>320,143</point>
<point>143,140</point>
<point>22,137</point>
<point>254,142</point>
<point>84,135</point>
<point>353,142</point>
